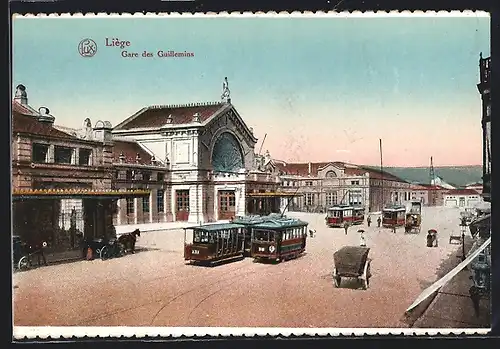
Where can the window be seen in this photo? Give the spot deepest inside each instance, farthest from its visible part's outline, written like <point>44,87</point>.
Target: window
<point>130,206</point>
<point>331,199</point>
<point>63,155</point>
<point>146,176</point>
<point>355,197</point>
<point>130,175</point>
<point>145,204</point>
<point>40,152</point>
<point>160,196</point>
<point>161,177</point>
<point>309,199</point>
<point>354,182</point>
<point>488,110</point>
<point>117,174</point>
<point>331,174</point>
<point>309,183</point>
<point>84,157</point>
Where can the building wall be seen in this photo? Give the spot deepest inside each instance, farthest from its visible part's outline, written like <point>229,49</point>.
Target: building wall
<point>461,200</point>
<point>26,171</point>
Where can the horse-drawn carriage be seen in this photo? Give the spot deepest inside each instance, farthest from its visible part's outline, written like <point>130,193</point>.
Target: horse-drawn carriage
<point>23,253</point>
<point>352,262</point>
<point>106,248</point>
<point>414,218</point>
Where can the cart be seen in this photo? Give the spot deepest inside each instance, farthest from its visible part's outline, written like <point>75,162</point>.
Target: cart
<point>412,223</point>
<point>352,262</point>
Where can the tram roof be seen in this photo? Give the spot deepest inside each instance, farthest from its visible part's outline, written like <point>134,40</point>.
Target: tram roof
<point>216,226</point>
<point>394,208</point>
<point>280,223</point>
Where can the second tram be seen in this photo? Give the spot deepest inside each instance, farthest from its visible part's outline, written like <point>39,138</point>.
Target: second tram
<point>279,239</point>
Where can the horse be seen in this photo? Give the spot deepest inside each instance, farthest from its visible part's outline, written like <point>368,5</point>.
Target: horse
<point>128,240</point>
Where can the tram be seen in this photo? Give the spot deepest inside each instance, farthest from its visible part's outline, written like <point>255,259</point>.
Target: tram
<point>338,215</point>
<point>279,239</point>
<point>394,216</point>
<point>248,222</point>
<point>214,243</point>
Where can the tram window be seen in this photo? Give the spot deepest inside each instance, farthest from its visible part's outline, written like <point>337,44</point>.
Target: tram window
<point>387,215</point>
<point>197,237</point>
<point>261,235</point>
<point>201,237</point>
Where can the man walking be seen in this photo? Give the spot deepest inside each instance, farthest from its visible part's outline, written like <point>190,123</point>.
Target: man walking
<point>346,227</point>
<point>379,220</point>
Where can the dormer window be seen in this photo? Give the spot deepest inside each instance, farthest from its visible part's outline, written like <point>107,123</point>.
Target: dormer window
<point>169,119</point>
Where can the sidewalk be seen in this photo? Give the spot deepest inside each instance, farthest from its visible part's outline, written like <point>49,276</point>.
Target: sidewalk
<point>452,306</point>
<point>127,228</point>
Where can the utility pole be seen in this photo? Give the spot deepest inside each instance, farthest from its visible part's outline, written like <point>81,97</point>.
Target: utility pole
<point>432,183</point>
<point>381,176</point>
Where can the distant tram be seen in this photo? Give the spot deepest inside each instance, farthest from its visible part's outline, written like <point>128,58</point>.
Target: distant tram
<point>214,243</point>
<point>338,215</point>
<point>279,239</point>
<point>394,216</point>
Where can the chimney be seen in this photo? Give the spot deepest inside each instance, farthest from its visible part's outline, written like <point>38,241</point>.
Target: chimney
<point>45,116</point>
<point>138,158</point>
<point>21,95</point>
<point>309,168</point>
<point>122,158</point>
<point>102,131</point>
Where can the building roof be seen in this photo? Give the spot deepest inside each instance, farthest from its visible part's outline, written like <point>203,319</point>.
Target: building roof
<point>158,115</point>
<point>280,223</point>
<point>23,109</point>
<point>462,192</point>
<point>28,124</point>
<point>302,168</point>
<point>130,149</point>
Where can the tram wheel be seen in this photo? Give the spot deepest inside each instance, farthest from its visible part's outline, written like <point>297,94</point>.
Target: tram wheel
<point>337,280</point>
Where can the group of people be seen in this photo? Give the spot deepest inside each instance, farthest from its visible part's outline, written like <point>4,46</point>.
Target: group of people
<point>369,221</point>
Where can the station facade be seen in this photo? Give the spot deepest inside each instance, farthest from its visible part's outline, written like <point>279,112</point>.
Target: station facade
<point>198,160</point>
<point>321,185</point>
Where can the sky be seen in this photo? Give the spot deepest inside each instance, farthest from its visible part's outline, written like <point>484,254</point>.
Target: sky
<point>318,89</point>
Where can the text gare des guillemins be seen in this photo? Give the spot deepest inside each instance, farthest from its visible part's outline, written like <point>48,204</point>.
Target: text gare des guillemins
<point>122,44</point>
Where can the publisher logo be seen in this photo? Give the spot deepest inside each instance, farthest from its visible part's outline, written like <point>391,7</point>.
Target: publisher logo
<point>87,48</point>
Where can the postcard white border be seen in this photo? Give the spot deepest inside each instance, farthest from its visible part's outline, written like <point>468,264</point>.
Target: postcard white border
<point>271,14</point>
<point>53,332</point>
<point>21,332</point>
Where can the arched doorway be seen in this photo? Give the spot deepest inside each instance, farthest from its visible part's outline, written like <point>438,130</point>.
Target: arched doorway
<point>227,158</point>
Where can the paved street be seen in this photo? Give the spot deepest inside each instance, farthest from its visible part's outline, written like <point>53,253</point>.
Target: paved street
<point>155,287</point>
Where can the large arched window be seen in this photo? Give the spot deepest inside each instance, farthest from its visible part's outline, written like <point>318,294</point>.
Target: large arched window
<point>331,174</point>
<point>226,155</point>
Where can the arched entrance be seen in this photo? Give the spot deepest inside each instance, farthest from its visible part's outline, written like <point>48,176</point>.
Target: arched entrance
<point>227,158</point>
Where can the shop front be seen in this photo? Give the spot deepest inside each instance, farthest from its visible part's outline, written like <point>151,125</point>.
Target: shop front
<point>39,216</point>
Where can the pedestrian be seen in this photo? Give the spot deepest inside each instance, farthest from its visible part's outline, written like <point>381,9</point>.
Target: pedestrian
<point>346,226</point>
<point>369,221</point>
<point>362,240</point>
<point>379,220</point>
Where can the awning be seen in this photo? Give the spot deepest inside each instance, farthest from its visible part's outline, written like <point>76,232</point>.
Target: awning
<point>272,195</point>
<point>77,194</point>
<point>441,282</point>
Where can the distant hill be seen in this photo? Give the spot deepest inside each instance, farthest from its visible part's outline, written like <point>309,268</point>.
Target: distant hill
<point>457,176</point>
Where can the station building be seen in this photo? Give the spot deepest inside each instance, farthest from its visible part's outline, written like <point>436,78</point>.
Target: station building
<point>320,185</point>
<point>197,159</point>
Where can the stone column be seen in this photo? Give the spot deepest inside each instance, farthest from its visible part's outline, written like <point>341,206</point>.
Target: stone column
<point>194,202</point>
<point>153,207</point>
<point>137,208</point>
